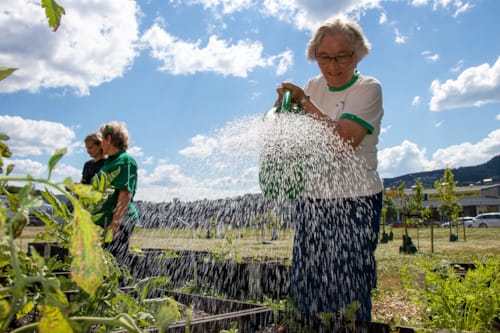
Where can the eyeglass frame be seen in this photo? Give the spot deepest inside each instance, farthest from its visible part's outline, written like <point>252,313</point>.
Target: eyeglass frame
<point>328,59</point>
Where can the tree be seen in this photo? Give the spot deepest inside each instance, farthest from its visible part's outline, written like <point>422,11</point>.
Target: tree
<point>449,207</point>
<point>415,202</point>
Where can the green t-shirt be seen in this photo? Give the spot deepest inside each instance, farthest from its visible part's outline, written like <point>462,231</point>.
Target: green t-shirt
<point>125,180</point>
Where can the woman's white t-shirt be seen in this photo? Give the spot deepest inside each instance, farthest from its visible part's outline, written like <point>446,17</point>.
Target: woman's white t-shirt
<point>355,175</point>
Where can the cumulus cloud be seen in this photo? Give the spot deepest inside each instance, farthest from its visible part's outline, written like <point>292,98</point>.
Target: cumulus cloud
<point>475,86</point>
<point>307,15</point>
<point>217,55</point>
<point>94,44</point>
<point>28,167</point>
<point>36,137</point>
<point>408,157</point>
<point>201,147</point>
<point>224,6</point>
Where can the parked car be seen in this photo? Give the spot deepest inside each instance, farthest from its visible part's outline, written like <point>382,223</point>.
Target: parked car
<point>486,220</point>
<point>445,224</point>
<point>466,220</point>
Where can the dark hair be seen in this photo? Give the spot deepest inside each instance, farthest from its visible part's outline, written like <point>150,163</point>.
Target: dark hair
<point>95,138</point>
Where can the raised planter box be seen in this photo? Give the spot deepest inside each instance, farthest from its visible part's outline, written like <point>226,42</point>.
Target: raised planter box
<point>49,250</point>
<point>250,318</point>
<point>249,279</point>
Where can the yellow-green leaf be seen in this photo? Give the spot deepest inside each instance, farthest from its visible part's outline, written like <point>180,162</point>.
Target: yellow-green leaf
<point>53,12</point>
<point>88,266</point>
<point>167,314</point>
<point>4,309</point>
<point>86,193</point>
<point>25,310</point>
<point>5,72</point>
<point>55,158</point>
<point>53,321</point>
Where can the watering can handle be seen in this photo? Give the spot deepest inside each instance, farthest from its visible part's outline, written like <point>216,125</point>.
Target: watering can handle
<point>287,100</point>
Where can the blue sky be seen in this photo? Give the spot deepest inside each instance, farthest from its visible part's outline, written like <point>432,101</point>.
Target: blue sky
<point>191,78</point>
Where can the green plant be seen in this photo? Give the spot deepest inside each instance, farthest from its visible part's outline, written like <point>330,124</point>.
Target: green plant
<point>91,297</point>
<point>449,300</point>
<point>233,329</point>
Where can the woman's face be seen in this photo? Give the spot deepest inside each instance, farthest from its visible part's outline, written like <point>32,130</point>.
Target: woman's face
<point>106,145</point>
<point>336,60</point>
<point>93,149</point>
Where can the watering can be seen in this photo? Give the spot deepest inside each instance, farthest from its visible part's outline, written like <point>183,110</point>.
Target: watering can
<point>281,178</point>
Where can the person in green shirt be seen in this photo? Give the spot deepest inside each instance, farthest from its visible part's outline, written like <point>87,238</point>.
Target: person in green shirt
<point>118,211</point>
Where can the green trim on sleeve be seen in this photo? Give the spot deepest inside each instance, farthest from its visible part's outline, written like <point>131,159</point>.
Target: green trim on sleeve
<point>358,121</point>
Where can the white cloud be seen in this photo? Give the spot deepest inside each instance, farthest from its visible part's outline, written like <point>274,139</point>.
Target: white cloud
<point>457,6</point>
<point>168,175</point>
<point>467,153</point>
<point>27,166</point>
<point>94,44</point>
<point>457,67</point>
<point>225,6</point>
<point>307,15</point>
<point>383,18</point>
<point>400,38</point>
<point>402,159</point>
<point>135,152</point>
<point>409,158</point>
<point>416,101</point>
<point>429,56</point>
<point>219,56</point>
<point>63,170</point>
<point>475,86</point>
<point>36,137</point>
<point>201,147</point>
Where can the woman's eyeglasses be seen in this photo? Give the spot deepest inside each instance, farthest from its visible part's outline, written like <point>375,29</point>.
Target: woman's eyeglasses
<point>341,59</point>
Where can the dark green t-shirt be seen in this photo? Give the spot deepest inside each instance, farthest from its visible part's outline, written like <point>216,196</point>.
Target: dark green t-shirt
<point>125,180</point>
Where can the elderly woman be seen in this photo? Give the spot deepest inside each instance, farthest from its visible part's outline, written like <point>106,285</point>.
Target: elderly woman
<point>337,226</point>
<point>118,211</point>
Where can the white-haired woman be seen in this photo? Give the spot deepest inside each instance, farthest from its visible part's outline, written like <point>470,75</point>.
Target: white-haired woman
<point>337,225</point>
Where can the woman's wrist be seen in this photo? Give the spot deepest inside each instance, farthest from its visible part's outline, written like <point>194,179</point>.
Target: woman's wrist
<point>304,100</point>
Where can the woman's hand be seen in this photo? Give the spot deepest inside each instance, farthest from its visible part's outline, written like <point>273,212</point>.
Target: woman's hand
<point>298,93</point>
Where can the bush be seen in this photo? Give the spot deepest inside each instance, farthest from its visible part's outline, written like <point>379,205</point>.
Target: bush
<point>469,302</point>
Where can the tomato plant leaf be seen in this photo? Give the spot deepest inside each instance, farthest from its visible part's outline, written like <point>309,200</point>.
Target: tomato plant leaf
<point>53,12</point>
<point>5,72</point>
<point>55,158</point>
<point>53,321</point>
<point>88,267</point>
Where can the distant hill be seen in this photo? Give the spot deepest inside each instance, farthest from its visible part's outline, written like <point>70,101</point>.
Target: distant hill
<point>464,175</point>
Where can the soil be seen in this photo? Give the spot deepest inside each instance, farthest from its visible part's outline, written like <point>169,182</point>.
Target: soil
<point>392,309</point>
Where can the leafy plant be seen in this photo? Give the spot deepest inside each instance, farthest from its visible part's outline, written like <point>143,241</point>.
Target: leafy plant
<point>90,296</point>
<point>449,300</point>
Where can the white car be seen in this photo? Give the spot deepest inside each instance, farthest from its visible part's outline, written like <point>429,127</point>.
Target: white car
<point>466,220</point>
<point>486,220</point>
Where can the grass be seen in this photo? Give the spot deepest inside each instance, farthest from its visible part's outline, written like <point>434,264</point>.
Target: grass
<point>391,299</point>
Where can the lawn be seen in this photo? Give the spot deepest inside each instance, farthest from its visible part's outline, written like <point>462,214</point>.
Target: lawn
<point>391,301</point>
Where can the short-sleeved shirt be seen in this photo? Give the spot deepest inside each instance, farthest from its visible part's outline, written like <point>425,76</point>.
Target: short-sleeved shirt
<point>361,102</point>
<point>90,168</point>
<point>125,180</point>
